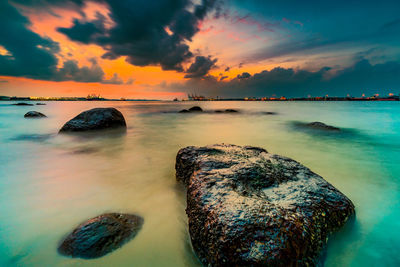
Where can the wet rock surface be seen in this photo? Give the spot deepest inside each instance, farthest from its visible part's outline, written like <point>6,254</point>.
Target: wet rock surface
<point>321,126</point>
<point>34,114</point>
<point>247,207</point>
<point>95,119</point>
<point>100,235</point>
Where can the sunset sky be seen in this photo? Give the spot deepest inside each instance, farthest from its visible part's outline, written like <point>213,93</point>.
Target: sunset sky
<point>161,49</point>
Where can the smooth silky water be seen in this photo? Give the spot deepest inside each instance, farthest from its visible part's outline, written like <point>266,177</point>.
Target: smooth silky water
<point>50,183</point>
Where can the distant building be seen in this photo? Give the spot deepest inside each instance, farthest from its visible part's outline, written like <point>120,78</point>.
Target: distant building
<point>193,97</point>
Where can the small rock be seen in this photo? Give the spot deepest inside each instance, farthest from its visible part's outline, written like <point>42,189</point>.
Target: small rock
<point>322,126</point>
<point>22,104</point>
<point>40,104</point>
<point>195,109</point>
<point>231,110</point>
<point>269,113</point>
<point>34,114</point>
<point>95,119</point>
<point>184,111</point>
<point>100,235</point>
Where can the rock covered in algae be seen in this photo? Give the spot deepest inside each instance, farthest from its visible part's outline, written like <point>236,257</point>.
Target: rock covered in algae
<point>100,235</point>
<point>247,207</point>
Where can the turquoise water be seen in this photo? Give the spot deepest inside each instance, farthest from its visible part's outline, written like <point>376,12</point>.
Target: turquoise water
<point>49,183</point>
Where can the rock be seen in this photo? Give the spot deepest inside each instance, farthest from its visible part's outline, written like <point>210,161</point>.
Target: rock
<point>32,137</point>
<point>184,111</point>
<point>195,109</point>
<point>100,235</point>
<point>95,119</point>
<point>40,104</point>
<point>22,104</point>
<point>269,113</point>
<point>321,126</point>
<point>226,111</point>
<point>34,114</point>
<point>247,207</point>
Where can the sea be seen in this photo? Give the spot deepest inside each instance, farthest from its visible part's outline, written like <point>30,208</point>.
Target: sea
<point>50,183</point>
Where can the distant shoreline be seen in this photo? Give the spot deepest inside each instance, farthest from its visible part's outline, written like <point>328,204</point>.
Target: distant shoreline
<point>203,99</point>
<point>219,100</point>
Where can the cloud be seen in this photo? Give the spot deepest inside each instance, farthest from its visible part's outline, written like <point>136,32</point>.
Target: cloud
<point>115,79</point>
<point>200,67</point>
<point>84,31</point>
<point>361,77</point>
<point>130,81</point>
<point>244,75</point>
<point>146,32</point>
<point>30,55</point>
<point>72,72</point>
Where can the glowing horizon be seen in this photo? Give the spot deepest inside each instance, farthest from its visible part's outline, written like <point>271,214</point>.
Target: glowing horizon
<point>229,49</point>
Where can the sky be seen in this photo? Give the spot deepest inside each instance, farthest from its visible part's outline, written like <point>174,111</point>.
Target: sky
<point>162,49</point>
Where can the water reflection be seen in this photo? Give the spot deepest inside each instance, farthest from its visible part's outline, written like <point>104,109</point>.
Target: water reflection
<point>52,182</point>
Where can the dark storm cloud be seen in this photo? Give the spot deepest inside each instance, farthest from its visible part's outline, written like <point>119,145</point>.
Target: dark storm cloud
<point>244,75</point>
<point>84,31</point>
<point>362,77</point>
<point>146,32</point>
<point>200,67</point>
<point>72,72</point>
<point>44,3</point>
<point>32,56</point>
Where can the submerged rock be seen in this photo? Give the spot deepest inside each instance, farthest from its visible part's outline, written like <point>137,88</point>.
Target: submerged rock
<point>95,119</point>
<point>247,207</point>
<point>22,104</point>
<point>192,109</point>
<point>32,137</point>
<point>321,126</point>
<point>40,104</point>
<point>227,111</point>
<point>269,113</point>
<point>100,235</point>
<point>34,114</point>
<point>195,109</point>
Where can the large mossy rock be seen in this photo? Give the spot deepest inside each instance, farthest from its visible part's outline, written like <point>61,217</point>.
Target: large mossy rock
<point>95,119</point>
<point>100,235</point>
<point>247,207</point>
